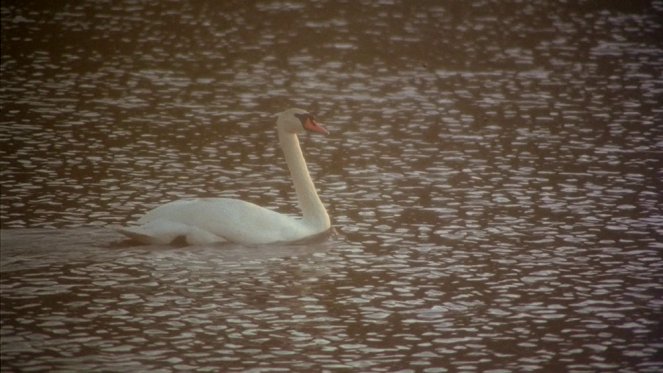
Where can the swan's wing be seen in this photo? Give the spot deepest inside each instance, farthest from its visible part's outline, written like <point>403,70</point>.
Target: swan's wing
<point>223,218</point>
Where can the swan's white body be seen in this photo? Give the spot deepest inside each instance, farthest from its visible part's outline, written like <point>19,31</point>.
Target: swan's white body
<point>210,220</point>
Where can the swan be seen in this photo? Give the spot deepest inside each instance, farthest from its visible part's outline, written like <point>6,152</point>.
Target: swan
<point>211,220</point>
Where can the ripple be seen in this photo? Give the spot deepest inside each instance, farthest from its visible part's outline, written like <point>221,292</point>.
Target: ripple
<point>495,190</point>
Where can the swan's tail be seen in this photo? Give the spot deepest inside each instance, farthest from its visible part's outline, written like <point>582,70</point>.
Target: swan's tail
<point>163,232</point>
<point>143,236</point>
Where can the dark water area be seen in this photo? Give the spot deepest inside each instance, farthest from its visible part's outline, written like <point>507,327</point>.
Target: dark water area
<point>493,174</point>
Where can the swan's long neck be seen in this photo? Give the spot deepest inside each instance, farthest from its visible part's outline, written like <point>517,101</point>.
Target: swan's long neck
<point>312,208</point>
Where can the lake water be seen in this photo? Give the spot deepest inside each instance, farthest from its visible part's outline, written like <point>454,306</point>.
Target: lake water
<point>493,174</point>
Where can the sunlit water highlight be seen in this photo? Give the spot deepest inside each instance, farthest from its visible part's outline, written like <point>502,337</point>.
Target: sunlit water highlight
<point>493,174</point>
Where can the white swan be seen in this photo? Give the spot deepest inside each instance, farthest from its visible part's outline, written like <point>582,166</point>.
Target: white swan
<point>210,220</point>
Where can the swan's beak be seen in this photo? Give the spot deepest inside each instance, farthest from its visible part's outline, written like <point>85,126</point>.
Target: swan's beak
<point>313,126</point>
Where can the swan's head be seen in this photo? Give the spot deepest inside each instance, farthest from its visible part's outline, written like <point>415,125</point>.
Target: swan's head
<point>297,121</point>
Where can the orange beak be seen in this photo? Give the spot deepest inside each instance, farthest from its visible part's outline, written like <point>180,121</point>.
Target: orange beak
<point>313,126</point>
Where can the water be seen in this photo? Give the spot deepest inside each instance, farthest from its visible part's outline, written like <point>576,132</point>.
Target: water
<point>493,175</point>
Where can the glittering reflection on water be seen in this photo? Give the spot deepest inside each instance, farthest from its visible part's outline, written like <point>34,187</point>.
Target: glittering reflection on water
<point>493,173</point>
<point>334,306</point>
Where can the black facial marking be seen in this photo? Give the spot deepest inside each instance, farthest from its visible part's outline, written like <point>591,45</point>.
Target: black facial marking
<point>304,116</point>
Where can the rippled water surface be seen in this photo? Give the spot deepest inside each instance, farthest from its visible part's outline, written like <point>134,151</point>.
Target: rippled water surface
<point>493,174</point>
